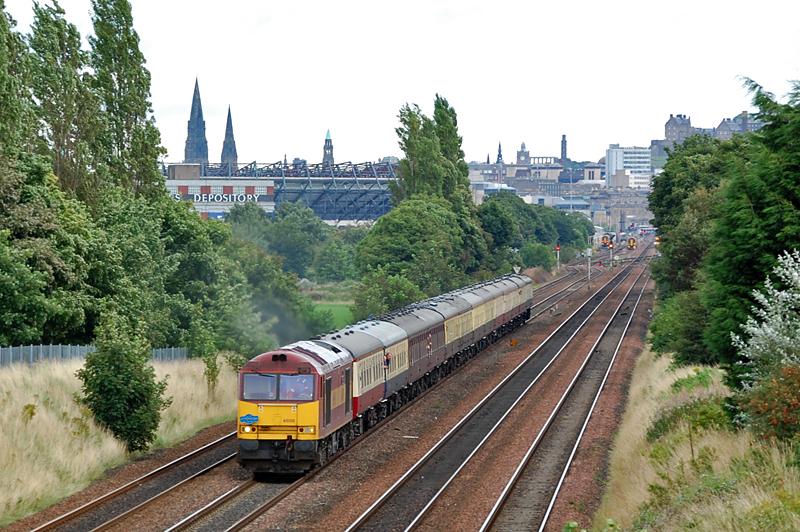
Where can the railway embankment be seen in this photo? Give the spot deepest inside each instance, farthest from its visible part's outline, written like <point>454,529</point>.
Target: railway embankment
<point>51,448</point>
<point>678,462</point>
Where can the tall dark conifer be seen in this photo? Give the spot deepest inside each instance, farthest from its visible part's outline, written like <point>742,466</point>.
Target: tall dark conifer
<point>122,83</point>
<point>758,219</point>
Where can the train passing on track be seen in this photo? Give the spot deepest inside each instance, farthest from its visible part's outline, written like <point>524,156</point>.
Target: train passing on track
<point>302,403</point>
<point>631,242</point>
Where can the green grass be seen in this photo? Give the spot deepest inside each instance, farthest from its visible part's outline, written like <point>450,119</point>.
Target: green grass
<point>341,313</point>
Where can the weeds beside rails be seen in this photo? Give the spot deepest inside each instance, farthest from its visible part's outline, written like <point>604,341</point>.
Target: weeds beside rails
<point>50,446</point>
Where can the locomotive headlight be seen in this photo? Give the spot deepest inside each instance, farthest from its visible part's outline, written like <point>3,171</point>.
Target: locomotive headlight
<point>249,428</point>
<point>307,430</point>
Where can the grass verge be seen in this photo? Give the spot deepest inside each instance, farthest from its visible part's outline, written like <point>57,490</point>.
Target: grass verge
<point>342,315</point>
<point>677,463</point>
<point>50,446</point>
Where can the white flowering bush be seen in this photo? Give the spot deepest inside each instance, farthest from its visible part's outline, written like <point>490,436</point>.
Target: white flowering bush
<point>771,335</point>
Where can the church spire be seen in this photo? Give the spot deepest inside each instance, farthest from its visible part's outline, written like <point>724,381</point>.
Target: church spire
<point>499,154</point>
<point>327,150</point>
<point>229,144</point>
<point>196,150</point>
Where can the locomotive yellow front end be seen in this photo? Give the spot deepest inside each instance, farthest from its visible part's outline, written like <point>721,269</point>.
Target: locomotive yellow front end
<point>280,415</point>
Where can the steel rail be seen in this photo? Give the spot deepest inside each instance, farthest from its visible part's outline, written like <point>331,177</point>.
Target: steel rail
<point>392,489</point>
<point>591,411</point>
<point>117,518</point>
<point>73,514</point>
<point>256,512</point>
<point>195,516</point>
<point>441,490</point>
<point>501,500</point>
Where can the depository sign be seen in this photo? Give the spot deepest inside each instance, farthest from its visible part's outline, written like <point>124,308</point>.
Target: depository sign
<point>222,198</point>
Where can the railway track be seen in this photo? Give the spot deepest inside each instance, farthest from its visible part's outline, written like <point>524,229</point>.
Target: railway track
<point>115,508</point>
<point>406,502</point>
<point>530,494</point>
<point>124,498</point>
<point>240,506</point>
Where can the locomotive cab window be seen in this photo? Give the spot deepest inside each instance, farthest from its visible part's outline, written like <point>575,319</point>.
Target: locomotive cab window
<point>259,387</point>
<point>297,387</point>
<point>271,387</point>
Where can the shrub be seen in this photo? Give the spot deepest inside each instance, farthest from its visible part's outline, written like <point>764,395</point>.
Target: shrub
<point>674,333</point>
<point>698,414</point>
<point>773,406</point>
<point>534,254</point>
<point>700,378</point>
<point>119,384</point>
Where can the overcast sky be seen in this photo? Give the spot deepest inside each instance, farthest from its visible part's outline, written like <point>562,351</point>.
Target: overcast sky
<point>599,72</point>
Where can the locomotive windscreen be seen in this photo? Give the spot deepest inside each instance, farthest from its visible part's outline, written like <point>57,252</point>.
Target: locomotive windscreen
<point>268,387</point>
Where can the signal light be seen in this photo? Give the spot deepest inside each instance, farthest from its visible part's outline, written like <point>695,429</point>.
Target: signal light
<point>558,247</point>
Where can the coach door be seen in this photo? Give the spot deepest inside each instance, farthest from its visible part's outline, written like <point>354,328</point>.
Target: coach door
<point>348,390</point>
<point>327,401</point>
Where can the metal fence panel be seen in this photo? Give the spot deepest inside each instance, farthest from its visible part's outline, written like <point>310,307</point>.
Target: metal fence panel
<point>31,354</point>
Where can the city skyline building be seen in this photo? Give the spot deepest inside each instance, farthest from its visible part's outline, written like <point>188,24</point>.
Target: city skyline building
<point>327,150</point>
<point>634,161</point>
<point>229,155</point>
<point>196,149</point>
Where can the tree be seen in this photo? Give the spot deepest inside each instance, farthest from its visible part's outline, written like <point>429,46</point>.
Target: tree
<point>23,305</point>
<point>696,162</point>
<point>336,261</point>
<point>380,292</point>
<point>295,234</point>
<point>771,335</point>
<point>16,109</point>
<point>757,219</point>
<point>677,328</point>
<point>683,247</point>
<point>57,238</point>
<point>498,220</point>
<point>67,110</point>
<point>534,254</point>
<point>456,180</point>
<point>423,169</point>
<point>119,384</point>
<point>421,240</point>
<point>122,82</point>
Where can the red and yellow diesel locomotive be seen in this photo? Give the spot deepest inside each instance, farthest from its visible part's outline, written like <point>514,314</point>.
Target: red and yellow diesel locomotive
<point>302,403</point>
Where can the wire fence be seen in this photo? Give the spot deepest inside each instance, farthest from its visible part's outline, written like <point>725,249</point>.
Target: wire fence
<point>30,354</point>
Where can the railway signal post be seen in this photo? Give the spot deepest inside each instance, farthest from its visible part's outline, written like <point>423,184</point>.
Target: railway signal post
<point>558,257</point>
<point>589,264</point>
